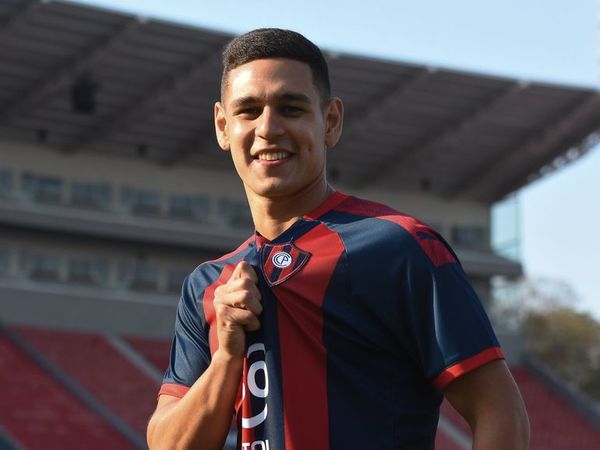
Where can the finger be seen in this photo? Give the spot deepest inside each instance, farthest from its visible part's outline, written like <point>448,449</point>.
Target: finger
<point>234,317</point>
<point>245,270</point>
<point>253,324</point>
<point>249,300</point>
<point>237,271</point>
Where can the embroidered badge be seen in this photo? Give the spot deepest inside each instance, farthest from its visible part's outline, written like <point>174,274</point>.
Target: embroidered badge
<point>281,262</point>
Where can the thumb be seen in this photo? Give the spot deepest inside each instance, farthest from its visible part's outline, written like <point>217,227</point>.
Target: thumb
<point>244,270</point>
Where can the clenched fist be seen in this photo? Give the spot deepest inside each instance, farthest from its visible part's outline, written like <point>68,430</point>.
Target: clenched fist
<point>237,307</point>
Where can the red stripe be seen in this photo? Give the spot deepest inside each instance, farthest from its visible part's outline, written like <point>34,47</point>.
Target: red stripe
<point>175,390</point>
<point>433,247</point>
<point>303,356</point>
<point>461,368</point>
<point>209,295</point>
<point>332,201</point>
<point>209,308</point>
<point>243,408</point>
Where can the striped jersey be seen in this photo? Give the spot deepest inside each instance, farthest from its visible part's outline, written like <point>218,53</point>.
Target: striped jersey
<point>367,316</point>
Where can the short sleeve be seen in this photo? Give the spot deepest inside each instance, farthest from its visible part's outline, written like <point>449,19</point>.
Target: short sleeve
<point>190,352</point>
<point>446,325</point>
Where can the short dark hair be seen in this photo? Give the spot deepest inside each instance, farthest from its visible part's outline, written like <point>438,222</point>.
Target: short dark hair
<point>265,43</point>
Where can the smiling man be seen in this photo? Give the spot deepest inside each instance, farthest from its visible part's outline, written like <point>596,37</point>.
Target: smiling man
<point>341,323</point>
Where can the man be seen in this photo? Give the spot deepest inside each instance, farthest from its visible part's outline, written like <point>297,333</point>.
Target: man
<point>341,323</point>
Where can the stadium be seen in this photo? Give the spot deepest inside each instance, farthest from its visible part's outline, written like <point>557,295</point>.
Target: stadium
<point>113,189</point>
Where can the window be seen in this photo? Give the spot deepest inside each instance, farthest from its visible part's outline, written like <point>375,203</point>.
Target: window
<point>175,279</point>
<point>141,201</point>
<point>470,236</point>
<point>138,276</point>
<point>6,182</point>
<point>235,213</point>
<point>189,207</point>
<point>42,188</point>
<point>88,270</point>
<point>39,266</point>
<point>91,195</point>
<point>506,229</point>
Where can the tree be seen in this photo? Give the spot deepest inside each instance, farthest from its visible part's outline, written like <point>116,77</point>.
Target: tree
<point>568,342</point>
<point>565,340</point>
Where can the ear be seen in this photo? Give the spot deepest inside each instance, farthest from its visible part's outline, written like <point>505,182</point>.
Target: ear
<point>334,121</point>
<point>221,126</point>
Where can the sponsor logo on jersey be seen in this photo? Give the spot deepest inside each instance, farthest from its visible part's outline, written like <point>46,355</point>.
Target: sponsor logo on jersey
<point>255,390</point>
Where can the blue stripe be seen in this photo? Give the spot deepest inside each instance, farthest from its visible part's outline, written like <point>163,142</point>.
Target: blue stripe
<point>273,428</point>
<point>377,392</point>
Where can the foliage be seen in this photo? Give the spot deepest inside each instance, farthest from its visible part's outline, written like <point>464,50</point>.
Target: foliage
<point>565,340</point>
<point>568,342</point>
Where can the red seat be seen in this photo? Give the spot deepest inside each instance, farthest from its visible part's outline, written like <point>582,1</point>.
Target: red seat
<point>95,364</point>
<point>155,351</point>
<point>41,414</point>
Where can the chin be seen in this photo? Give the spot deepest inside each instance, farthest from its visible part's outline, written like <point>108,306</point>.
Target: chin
<point>270,189</point>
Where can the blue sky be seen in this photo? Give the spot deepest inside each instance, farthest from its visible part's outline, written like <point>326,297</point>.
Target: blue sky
<point>543,40</point>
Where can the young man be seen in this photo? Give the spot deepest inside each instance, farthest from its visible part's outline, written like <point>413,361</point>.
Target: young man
<point>341,323</point>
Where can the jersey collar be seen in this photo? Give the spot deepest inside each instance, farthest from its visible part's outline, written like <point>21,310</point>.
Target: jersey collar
<point>287,236</point>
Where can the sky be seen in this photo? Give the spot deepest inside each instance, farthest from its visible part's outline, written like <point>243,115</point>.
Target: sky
<point>554,41</point>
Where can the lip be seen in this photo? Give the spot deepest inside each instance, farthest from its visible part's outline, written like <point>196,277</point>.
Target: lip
<point>269,163</point>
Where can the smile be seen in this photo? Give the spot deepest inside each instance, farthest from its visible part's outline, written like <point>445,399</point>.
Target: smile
<point>273,156</point>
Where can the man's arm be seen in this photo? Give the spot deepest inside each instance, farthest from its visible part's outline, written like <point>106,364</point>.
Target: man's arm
<point>201,419</point>
<point>489,400</point>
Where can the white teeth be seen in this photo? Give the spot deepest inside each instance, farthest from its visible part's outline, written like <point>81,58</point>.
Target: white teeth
<point>273,156</point>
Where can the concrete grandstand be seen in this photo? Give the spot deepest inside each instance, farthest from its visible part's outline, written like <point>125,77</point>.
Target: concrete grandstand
<point>112,189</point>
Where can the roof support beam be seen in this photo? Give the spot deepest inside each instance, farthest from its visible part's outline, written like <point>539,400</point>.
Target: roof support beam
<point>358,122</point>
<point>61,76</point>
<point>506,173</point>
<point>156,98</point>
<point>18,16</point>
<point>386,170</point>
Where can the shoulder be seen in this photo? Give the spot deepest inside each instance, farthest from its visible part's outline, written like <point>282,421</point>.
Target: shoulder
<point>377,222</point>
<point>208,272</point>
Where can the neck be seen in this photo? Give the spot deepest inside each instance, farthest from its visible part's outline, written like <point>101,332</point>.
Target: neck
<point>273,215</point>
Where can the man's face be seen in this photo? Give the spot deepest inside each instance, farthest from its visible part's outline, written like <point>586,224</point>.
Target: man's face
<point>272,120</point>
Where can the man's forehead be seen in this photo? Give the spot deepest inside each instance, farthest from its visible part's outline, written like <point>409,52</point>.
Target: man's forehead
<point>270,76</point>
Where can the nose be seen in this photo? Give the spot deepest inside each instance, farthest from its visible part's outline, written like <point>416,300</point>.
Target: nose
<point>269,124</point>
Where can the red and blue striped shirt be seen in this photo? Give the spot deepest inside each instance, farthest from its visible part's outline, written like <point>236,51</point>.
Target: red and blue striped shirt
<point>367,316</point>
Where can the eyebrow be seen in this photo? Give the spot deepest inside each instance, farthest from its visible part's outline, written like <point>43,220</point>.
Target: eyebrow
<point>285,97</point>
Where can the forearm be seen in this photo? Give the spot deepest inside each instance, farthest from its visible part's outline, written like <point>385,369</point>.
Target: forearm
<point>509,431</point>
<point>489,400</point>
<point>201,419</point>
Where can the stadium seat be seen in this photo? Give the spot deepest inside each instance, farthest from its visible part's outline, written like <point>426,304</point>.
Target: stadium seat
<point>40,414</point>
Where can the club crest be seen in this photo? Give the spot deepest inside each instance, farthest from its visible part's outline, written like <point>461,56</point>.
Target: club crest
<point>281,262</point>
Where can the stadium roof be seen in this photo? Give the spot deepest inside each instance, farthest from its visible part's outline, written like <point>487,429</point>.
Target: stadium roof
<point>75,77</point>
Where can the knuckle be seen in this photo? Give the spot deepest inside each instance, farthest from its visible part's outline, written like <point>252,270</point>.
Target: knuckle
<point>221,309</point>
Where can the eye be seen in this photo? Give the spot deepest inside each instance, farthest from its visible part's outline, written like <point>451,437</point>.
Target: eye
<point>249,112</point>
<point>291,110</point>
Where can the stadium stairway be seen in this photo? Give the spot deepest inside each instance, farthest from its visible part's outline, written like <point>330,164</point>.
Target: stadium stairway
<point>44,409</point>
<point>101,369</point>
<point>156,351</point>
